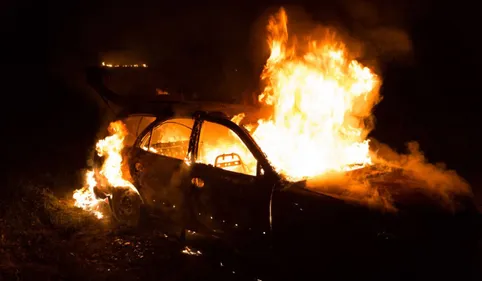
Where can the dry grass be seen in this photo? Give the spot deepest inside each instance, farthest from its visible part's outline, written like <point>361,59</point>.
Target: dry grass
<point>36,229</point>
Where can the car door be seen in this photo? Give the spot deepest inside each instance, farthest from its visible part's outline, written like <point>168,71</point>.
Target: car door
<point>230,195</point>
<point>157,165</point>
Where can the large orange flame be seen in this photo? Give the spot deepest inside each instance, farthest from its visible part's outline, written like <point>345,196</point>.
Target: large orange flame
<point>321,102</point>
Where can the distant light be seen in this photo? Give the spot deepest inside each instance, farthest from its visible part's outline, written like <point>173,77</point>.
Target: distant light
<point>104,64</point>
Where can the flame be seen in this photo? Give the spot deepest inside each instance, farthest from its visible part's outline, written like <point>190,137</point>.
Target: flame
<point>111,148</point>
<point>85,197</point>
<point>321,101</point>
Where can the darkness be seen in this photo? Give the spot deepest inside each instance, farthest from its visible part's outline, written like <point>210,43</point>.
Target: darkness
<point>430,88</point>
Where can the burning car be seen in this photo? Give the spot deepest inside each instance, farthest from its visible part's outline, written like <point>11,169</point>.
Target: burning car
<point>246,175</point>
<point>192,166</point>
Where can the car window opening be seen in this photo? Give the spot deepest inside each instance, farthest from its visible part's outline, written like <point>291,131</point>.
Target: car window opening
<point>170,138</point>
<point>220,147</point>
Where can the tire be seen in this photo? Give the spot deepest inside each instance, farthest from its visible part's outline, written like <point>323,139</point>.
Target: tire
<point>126,206</point>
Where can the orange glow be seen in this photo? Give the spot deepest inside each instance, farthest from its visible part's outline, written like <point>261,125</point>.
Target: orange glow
<point>110,148</point>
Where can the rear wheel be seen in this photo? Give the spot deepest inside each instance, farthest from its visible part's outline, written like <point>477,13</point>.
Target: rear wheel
<point>126,206</point>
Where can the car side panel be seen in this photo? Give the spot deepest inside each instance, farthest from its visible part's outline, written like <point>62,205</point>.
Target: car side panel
<point>159,180</point>
<point>233,205</point>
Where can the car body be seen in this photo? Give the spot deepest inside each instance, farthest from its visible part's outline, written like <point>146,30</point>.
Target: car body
<point>255,209</point>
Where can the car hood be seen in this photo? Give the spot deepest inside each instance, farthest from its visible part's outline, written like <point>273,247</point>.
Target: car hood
<point>389,209</point>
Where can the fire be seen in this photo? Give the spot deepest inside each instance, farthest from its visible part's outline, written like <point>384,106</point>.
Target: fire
<point>110,148</point>
<point>321,100</point>
<point>85,197</point>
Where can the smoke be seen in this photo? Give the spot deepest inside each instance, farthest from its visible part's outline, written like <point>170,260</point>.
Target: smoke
<point>382,27</point>
<point>434,179</point>
<point>396,181</point>
<point>352,188</point>
<point>376,33</point>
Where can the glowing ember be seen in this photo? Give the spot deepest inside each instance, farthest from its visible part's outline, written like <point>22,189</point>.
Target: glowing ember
<point>111,148</point>
<point>191,252</point>
<point>321,103</point>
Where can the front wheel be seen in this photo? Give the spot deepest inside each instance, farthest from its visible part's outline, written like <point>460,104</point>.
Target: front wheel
<point>125,204</point>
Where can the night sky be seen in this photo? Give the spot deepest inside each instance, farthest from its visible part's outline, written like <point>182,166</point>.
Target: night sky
<point>427,53</point>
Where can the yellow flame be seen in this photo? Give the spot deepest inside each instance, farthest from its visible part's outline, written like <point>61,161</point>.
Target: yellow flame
<point>85,198</point>
<point>321,100</point>
<point>111,148</point>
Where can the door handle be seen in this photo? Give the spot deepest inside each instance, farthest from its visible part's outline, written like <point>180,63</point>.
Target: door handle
<point>197,182</point>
